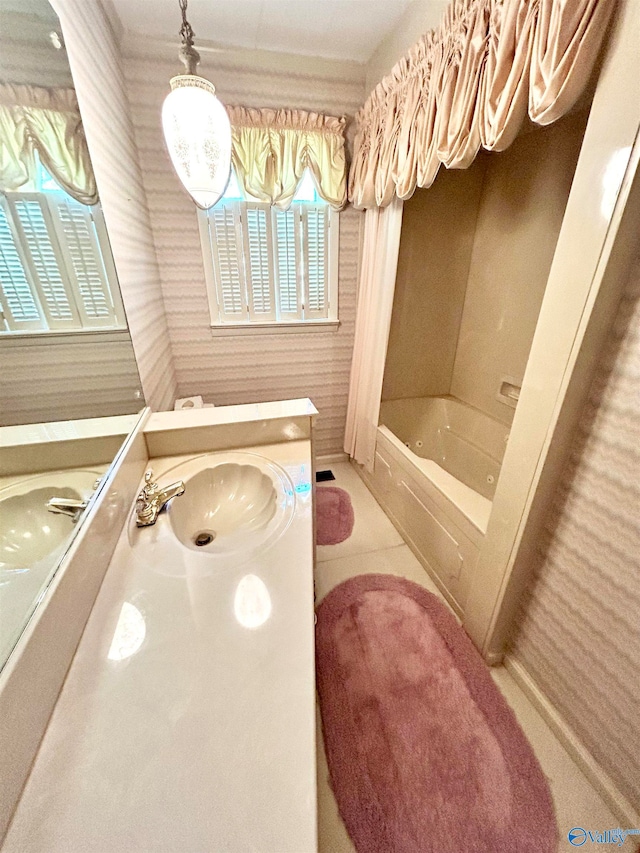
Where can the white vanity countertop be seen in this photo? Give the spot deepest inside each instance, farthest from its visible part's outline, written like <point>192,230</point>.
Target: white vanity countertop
<point>177,728</point>
<point>67,430</point>
<point>231,415</point>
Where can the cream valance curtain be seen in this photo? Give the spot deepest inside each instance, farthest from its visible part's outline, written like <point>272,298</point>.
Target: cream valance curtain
<point>47,121</point>
<point>272,148</point>
<point>469,84</point>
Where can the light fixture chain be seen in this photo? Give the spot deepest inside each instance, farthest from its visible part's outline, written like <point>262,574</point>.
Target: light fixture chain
<point>186,30</point>
<point>188,54</point>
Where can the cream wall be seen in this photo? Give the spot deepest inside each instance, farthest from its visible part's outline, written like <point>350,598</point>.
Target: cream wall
<point>577,630</point>
<point>84,376</point>
<point>438,227</point>
<point>96,65</point>
<point>521,209</point>
<point>260,367</point>
<point>419,17</point>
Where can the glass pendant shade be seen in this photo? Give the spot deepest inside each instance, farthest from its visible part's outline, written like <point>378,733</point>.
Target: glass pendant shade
<point>198,136</point>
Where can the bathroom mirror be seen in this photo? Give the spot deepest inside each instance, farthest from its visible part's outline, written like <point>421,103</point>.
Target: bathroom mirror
<point>65,347</point>
<point>66,353</point>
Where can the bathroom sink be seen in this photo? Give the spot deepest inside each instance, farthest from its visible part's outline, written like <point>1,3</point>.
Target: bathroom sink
<point>235,504</point>
<point>224,507</point>
<point>28,531</point>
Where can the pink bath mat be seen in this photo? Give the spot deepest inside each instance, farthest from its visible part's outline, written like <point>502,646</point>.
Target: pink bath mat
<point>334,515</point>
<point>424,754</point>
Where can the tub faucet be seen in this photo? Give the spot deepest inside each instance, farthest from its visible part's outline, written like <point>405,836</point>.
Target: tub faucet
<point>152,499</point>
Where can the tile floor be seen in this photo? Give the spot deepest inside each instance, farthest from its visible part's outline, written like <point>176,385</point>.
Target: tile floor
<point>376,546</point>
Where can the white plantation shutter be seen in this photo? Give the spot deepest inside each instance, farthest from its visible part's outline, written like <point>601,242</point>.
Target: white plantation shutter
<point>315,243</point>
<point>83,259</point>
<point>20,309</point>
<point>268,266</point>
<point>221,234</point>
<point>288,262</point>
<point>55,265</point>
<point>258,261</point>
<point>33,220</point>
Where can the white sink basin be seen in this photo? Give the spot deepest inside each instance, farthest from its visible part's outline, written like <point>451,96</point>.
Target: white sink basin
<point>32,541</point>
<point>28,531</point>
<point>236,504</point>
<point>224,507</point>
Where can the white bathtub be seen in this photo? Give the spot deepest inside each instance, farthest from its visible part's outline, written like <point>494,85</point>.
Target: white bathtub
<point>437,464</point>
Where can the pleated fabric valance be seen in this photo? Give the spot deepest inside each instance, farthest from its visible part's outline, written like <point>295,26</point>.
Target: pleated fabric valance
<point>469,84</point>
<point>47,121</point>
<point>272,148</point>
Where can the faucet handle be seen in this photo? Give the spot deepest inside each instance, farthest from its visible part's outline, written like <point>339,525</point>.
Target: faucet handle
<point>150,488</point>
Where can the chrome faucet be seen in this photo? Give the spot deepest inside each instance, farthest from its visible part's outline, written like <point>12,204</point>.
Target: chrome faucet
<point>152,499</point>
<point>67,506</point>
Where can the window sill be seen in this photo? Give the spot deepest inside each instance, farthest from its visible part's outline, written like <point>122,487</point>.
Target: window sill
<point>235,329</point>
<point>77,336</point>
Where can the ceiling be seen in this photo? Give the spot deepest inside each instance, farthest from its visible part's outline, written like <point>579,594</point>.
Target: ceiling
<point>334,29</point>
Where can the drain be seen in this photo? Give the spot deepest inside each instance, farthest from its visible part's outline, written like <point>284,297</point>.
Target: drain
<point>204,538</point>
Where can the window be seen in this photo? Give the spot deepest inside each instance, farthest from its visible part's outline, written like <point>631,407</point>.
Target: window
<point>270,267</point>
<point>56,270</point>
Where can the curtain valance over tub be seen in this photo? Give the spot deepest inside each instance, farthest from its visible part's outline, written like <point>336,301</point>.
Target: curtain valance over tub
<point>272,148</point>
<point>469,84</point>
<point>47,121</point>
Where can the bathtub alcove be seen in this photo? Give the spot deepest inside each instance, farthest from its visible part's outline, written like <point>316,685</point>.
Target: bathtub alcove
<point>476,249</point>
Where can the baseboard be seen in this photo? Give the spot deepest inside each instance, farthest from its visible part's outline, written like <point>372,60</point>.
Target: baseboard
<point>598,778</point>
<point>330,459</point>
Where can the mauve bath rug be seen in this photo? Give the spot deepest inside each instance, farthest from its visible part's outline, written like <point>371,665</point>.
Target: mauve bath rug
<point>424,754</point>
<point>334,515</point>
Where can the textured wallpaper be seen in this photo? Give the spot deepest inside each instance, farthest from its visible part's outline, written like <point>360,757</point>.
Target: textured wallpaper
<point>98,77</point>
<point>579,630</point>
<point>243,369</point>
<point>58,381</point>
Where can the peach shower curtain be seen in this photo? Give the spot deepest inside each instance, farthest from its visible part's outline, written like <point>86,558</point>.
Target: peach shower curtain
<point>375,303</point>
<point>469,84</point>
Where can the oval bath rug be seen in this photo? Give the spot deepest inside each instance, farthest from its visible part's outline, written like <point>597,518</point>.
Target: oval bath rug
<point>424,754</point>
<point>334,515</point>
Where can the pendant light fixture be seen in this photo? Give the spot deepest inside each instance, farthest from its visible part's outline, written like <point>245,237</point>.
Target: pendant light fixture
<point>196,127</point>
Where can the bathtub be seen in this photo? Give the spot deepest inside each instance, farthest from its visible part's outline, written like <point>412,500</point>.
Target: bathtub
<point>436,468</point>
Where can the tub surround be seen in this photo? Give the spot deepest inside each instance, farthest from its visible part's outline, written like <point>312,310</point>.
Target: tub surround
<point>436,468</point>
<point>438,224</point>
<point>465,320</point>
<point>210,709</point>
<point>464,441</point>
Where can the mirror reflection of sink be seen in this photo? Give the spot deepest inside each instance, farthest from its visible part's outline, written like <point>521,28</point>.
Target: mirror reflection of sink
<point>28,531</point>
<point>32,540</point>
<point>235,504</point>
<point>222,506</point>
